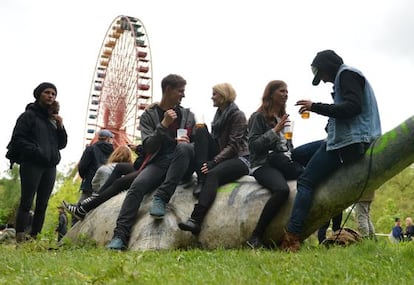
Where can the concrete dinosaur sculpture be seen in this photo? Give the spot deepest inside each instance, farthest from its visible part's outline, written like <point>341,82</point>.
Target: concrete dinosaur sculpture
<point>238,205</point>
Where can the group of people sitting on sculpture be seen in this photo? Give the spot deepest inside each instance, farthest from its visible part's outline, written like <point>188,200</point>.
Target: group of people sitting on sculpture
<point>237,146</point>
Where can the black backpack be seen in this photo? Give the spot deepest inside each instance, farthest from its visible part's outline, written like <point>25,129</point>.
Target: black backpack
<point>12,154</point>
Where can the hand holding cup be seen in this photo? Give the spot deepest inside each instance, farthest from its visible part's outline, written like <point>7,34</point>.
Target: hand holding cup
<point>305,108</point>
<point>288,130</point>
<point>182,135</point>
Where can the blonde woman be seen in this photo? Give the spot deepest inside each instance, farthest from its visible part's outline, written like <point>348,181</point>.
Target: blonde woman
<point>120,154</point>
<point>222,156</point>
<point>409,229</point>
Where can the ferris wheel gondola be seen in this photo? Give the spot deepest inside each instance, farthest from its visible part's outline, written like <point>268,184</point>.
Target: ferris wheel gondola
<point>121,87</point>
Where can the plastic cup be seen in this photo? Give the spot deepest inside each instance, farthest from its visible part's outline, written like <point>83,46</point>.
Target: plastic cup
<point>181,133</point>
<point>199,121</point>
<point>305,115</point>
<point>288,130</point>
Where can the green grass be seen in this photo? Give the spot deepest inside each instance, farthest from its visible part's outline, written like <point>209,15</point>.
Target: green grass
<point>366,263</point>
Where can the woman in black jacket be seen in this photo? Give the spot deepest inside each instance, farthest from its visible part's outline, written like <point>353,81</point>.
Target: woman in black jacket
<point>222,156</point>
<point>38,136</point>
<point>270,154</point>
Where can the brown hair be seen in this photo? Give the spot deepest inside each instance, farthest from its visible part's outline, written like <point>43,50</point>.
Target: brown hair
<point>121,154</point>
<point>267,100</point>
<point>173,81</point>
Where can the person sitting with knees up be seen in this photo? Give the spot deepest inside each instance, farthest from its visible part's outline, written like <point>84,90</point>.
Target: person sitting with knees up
<point>222,156</point>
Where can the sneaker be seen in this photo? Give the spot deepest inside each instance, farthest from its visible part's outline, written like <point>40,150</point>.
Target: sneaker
<point>290,242</point>
<point>74,210</point>
<point>190,226</point>
<point>158,208</point>
<point>255,242</point>
<point>116,244</point>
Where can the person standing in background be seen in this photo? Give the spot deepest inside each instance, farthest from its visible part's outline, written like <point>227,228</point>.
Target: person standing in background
<point>62,227</point>
<point>336,225</point>
<point>409,229</point>
<point>362,212</point>
<point>397,234</point>
<point>38,135</point>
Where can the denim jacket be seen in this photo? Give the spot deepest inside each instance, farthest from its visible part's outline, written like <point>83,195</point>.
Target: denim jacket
<point>364,127</point>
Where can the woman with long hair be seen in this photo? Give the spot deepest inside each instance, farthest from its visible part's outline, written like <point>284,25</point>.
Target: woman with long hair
<point>122,154</point>
<point>270,154</point>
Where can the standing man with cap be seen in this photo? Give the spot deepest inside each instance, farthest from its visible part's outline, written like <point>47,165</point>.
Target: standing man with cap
<point>37,136</point>
<point>92,158</point>
<point>353,124</point>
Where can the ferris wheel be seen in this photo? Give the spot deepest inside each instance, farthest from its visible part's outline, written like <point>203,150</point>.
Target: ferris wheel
<point>121,87</point>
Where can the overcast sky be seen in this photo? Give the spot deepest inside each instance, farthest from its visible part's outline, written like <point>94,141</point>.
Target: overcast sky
<point>245,43</point>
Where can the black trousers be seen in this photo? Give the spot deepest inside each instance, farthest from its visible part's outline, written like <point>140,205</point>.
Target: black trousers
<point>274,181</point>
<point>165,174</point>
<point>336,225</point>
<point>225,172</point>
<point>36,181</point>
<point>119,185</point>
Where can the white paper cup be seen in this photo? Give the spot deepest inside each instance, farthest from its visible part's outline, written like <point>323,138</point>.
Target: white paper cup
<point>181,132</point>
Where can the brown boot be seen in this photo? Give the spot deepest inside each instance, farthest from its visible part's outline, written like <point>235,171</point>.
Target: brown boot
<point>290,242</point>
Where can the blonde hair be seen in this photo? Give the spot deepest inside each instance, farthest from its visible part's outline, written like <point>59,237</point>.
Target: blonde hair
<point>409,221</point>
<point>121,154</point>
<point>226,91</point>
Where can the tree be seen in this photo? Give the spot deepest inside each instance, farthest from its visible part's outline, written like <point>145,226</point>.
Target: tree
<point>10,195</point>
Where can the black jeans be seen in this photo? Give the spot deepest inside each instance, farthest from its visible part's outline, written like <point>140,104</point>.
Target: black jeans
<point>39,181</point>
<point>336,225</point>
<point>119,185</point>
<point>274,181</point>
<point>120,169</point>
<point>225,172</point>
<point>205,149</point>
<point>164,173</point>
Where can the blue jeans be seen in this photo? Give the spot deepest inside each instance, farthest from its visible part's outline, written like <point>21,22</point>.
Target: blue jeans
<point>320,164</point>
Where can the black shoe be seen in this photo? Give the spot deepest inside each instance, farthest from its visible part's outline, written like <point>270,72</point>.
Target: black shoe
<point>255,242</point>
<point>190,226</point>
<point>75,210</point>
<point>197,190</point>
